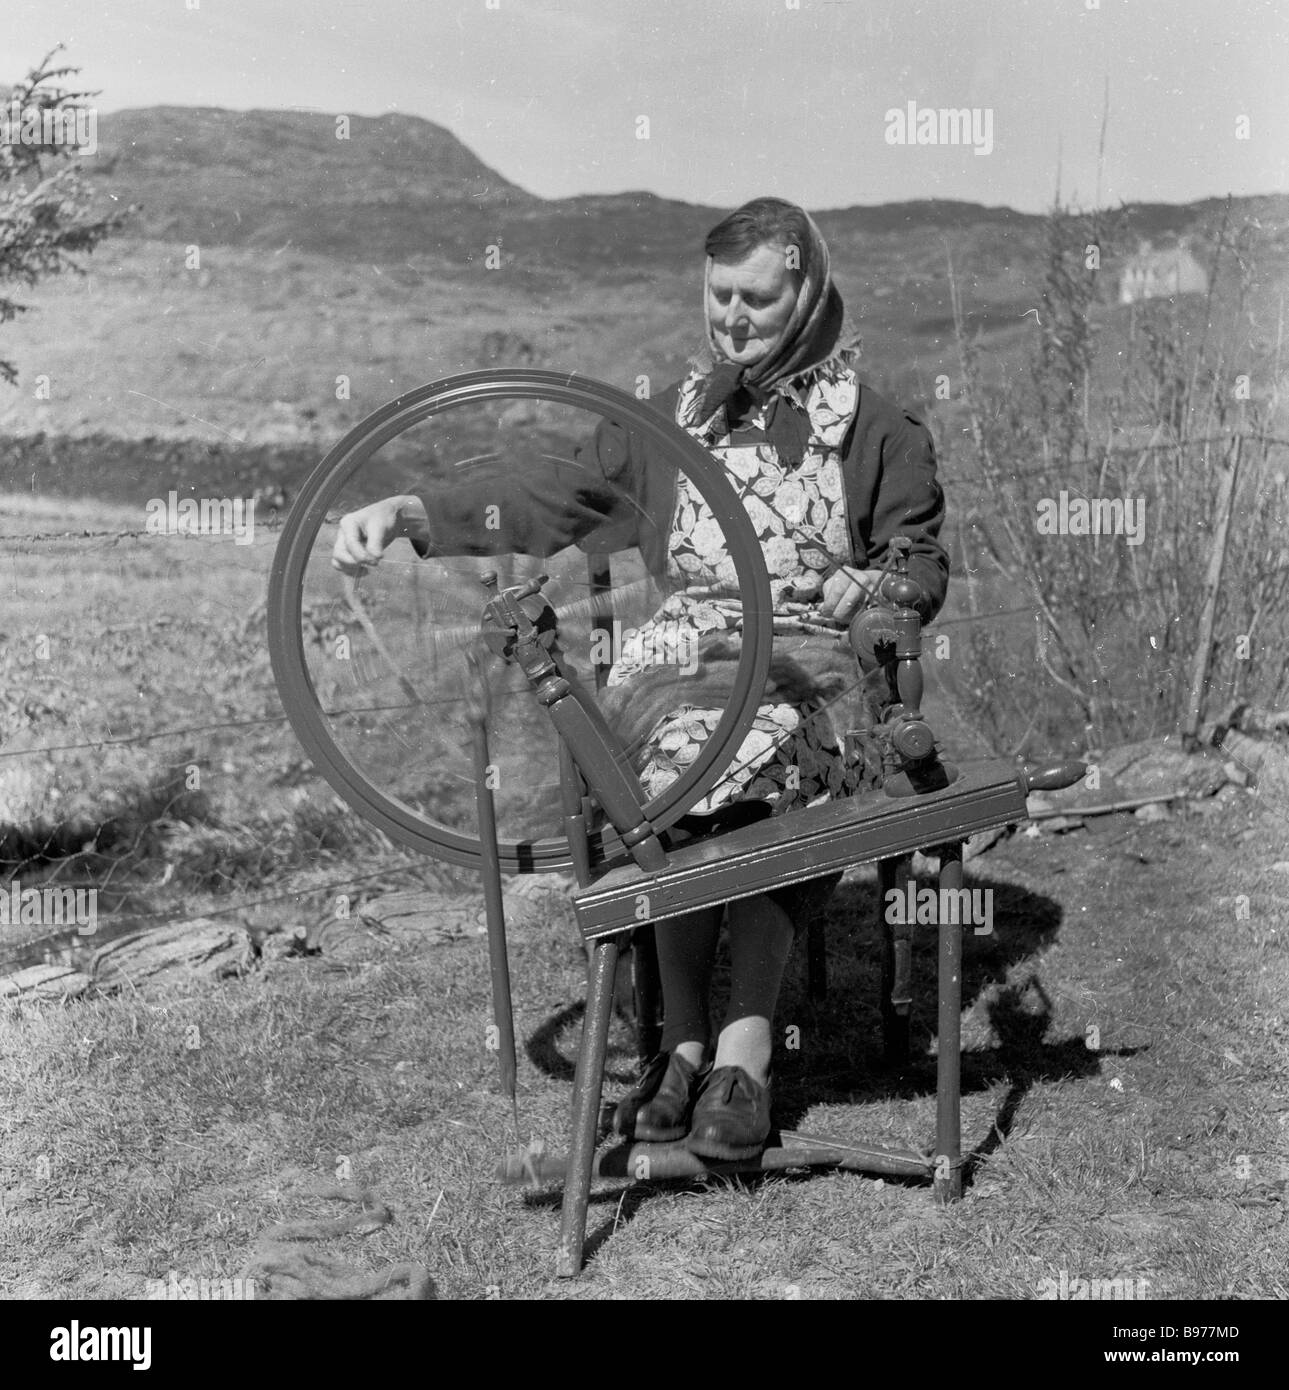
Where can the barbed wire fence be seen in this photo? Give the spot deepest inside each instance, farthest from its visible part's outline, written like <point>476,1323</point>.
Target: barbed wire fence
<point>191,909</point>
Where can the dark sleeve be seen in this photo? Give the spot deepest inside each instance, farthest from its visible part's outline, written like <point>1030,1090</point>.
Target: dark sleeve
<point>906,500</point>
<point>532,504</point>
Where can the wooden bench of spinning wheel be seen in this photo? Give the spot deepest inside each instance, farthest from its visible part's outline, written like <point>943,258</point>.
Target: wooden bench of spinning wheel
<point>925,804</point>
<point>628,874</point>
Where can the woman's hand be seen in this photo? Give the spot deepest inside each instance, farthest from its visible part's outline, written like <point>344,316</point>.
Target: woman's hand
<point>847,591</point>
<point>366,534</point>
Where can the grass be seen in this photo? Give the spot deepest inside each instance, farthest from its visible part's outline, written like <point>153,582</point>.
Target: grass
<point>254,345</point>
<point>125,1152</point>
<point>1119,1162</point>
<point>148,1132</point>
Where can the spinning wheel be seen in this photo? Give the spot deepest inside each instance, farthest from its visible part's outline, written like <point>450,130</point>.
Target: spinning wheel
<point>469,740</point>
<point>372,675</point>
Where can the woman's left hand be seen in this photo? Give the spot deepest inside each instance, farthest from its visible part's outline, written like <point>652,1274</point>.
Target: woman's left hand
<point>847,591</point>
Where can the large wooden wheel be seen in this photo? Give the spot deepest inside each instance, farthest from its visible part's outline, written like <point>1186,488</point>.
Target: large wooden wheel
<point>374,678</point>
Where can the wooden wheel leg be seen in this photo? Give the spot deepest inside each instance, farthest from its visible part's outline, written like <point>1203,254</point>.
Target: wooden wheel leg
<point>948,1109</point>
<point>648,992</point>
<point>897,964</point>
<point>588,1083</point>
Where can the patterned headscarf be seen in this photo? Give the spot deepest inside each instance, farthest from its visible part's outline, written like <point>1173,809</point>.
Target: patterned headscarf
<point>810,338</point>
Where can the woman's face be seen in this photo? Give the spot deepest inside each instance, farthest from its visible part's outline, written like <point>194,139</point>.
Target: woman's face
<point>749,303</point>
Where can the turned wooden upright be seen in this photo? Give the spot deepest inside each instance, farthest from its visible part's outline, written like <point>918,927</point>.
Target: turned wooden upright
<point>925,802</point>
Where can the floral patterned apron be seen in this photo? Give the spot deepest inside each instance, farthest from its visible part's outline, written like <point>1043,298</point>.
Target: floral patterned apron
<point>790,757</point>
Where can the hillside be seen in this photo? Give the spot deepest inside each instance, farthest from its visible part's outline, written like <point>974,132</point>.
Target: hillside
<point>334,273</point>
<point>275,178</point>
<point>397,187</point>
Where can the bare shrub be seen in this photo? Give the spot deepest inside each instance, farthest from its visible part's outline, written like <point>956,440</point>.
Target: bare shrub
<point>1136,634</point>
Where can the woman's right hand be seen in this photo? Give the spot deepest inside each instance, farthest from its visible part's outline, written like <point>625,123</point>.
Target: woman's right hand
<point>849,590</point>
<point>366,534</point>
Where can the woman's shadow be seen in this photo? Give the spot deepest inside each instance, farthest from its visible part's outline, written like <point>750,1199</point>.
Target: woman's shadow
<point>841,1056</point>
<point>831,1051</point>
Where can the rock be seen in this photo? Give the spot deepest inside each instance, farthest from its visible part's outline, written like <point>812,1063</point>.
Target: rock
<point>1138,773</point>
<point>1235,774</point>
<point>202,948</point>
<point>985,839</point>
<point>283,945</point>
<point>1250,719</point>
<point>1153,811</point>
<point>44,982</point>
<point>926,866</point>
<point>1154,766</point>
<point>1273,777</point>
<point>406,919</point>
<point>421,916</point>
<point>537,900</point>
<point>1265,762</point>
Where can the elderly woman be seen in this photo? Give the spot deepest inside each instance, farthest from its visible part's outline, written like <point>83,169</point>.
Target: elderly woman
<point>829,473</point>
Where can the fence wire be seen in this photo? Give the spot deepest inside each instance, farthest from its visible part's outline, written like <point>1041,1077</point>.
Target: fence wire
<point>274,524</point>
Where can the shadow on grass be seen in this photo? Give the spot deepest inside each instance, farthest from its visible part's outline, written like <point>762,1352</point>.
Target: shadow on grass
<point>544,1051</point>
<point>128,830</point>
<point>840,1058</point>
<point>843,1061</point>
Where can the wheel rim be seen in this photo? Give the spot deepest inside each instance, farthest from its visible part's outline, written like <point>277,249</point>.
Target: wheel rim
<point>403,823</point>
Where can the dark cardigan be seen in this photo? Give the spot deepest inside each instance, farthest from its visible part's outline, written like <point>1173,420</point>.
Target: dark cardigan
<point>610,496</point>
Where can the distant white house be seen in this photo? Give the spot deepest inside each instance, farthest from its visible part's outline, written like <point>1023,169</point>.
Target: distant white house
<point>1161,274</point>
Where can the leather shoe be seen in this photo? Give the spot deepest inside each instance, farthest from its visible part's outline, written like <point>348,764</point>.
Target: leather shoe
<point>731,1117</point>
<point>658,1109</point>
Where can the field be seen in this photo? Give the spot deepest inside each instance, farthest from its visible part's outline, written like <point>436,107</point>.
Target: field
<point>1157,1154</point>
<point>1122,1101</point>
<point>1125,1025</point>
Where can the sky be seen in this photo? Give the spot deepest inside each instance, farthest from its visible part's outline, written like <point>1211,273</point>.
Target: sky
<point>718,101</point>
